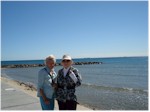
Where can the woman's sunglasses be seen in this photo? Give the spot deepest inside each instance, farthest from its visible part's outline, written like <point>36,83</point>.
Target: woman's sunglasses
<point>66,61</point>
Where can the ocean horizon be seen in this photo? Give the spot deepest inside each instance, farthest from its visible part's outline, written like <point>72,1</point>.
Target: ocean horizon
<point>41,61</point>
<point>80,58</point>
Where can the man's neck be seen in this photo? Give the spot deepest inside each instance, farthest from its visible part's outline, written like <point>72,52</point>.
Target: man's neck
<point>50,69</point>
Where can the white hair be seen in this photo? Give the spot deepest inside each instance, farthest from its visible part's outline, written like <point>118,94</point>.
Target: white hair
<point>50,57</point>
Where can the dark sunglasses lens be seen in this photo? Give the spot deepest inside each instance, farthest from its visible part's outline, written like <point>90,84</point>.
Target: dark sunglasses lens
<point>66,60</point>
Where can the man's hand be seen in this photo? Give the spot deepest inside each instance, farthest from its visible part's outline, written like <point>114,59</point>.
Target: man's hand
<point>44,97</point>
<point>46,101</point>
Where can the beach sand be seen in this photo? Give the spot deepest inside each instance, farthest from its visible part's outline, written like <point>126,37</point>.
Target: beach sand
<point>30,90</point>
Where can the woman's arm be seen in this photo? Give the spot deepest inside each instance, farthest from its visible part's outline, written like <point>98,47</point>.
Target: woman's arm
<point>76,77</point>
<point>79,78</point>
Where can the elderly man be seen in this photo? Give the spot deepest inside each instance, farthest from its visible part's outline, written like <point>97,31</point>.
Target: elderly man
<point>46,81</point>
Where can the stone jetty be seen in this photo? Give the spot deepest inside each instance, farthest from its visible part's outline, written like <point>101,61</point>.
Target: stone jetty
<point>41,65</point>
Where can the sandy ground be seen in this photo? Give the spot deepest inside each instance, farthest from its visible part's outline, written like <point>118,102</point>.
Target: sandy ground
<point>32,91</point>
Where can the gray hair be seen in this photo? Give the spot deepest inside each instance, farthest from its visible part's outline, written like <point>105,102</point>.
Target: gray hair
<point>50,57</point>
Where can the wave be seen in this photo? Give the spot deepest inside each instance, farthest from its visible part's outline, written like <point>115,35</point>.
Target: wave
<point>116,89</point>
<point>122,75</point>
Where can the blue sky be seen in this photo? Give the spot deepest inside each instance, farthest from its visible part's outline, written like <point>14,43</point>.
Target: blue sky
<point>33,30</point>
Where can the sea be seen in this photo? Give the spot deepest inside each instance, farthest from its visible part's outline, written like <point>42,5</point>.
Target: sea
<point>120,83</point>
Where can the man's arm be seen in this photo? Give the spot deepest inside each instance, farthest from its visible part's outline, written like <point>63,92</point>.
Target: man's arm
<point>40,86</point>
<point>44,97</point>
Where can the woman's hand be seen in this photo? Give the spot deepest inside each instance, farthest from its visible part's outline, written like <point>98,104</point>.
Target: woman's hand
<point>55,86</point>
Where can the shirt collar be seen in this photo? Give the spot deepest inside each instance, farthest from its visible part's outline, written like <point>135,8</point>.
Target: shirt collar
<point>66,69</point>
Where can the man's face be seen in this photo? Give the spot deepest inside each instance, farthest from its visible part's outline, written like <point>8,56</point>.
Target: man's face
<point>50,64</point>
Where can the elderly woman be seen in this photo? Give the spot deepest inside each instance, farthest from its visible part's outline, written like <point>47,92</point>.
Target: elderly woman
<point>46,80</point>
<point>68,79</point>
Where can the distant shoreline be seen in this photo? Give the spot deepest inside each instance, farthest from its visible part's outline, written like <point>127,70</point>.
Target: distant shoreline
<point>41,65</point>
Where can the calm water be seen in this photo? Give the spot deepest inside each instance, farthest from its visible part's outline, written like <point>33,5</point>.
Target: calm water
<point>118,84</point>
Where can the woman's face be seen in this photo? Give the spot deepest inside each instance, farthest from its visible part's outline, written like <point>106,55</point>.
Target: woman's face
<point>50,64</point>
<point>66,63</point>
